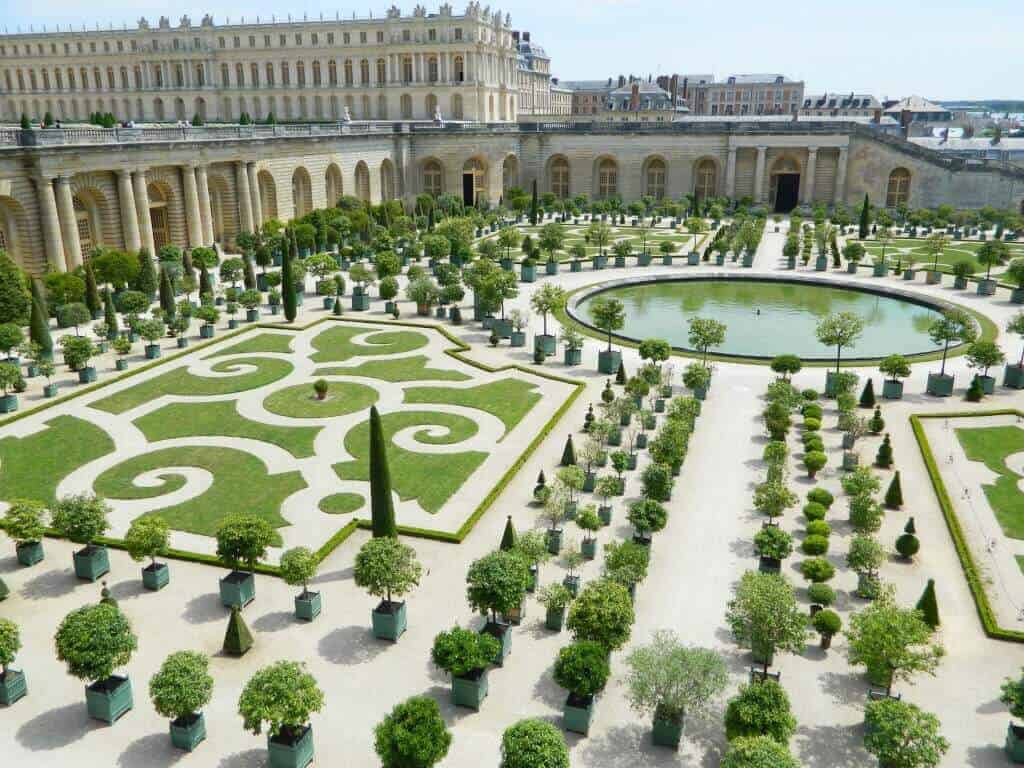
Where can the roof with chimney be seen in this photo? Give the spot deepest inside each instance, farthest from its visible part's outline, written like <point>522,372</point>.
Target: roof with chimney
<point>915,104</point>
<point>841,101</point>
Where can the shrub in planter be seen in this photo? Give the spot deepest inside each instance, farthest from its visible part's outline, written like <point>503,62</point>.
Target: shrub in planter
<point>387,568</point>
<point>555,598</point>
<point>656,481</point>
<point>817,569</point>
<point>818,528</point>
<point>773,542</point>
<point>815,545</point>
<point>24,523</point>
<point>582,669</point>
<point>12,681</point>
<point>812,424</point>
<point>814,461</point>
<point>626,563</point>
<point>603,613</point>
<point>589,522</point>
<point>668,680</point>
<point>1012,695</point>
<point>820,496</point>
<point>298,566</point>
<point>757,752</point>
<point>150,537</point>
<point>242,539</point>
<point>495,587</point>
<point>532,546</point>
<point>281,697</point>
<point>821,594</point>
<point>93,641</point>
<point>764,616</point>
<point>83,519</point>
<point>898,733</point>
<point>647,516</point>
<point>827,624</point>
<point>179,691</point>
<point>533,743</point>
<point>465,655</point>
<point>814,511</point>
<point>760,709</point>
<point>412,735</point>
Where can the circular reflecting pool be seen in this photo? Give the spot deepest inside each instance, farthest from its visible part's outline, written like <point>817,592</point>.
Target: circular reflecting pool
<point>768,317</point>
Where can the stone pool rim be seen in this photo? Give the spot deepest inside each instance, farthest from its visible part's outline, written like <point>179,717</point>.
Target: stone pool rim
<point>986,327</point>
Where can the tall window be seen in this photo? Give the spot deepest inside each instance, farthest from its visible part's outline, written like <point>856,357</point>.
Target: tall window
<point>898,192</point>
<point>364,72</point>
<point>560,177</point>
<point>239,76</point>
<point>457,111</point>
<point>382,71</point>
<point>459,70</point>
<point>300,74</point>
<point>607,179</point>
<point>254,75</point>
<point>431,104</point>
<point>407,69</point>
<point>332,72</point>
<point>654,184</point>
<point>316,73</point>
<point>270,74</point>
<point>225,72</point>
<point>432,73</point>
<point>382,107</point>
<point>432,175</point>
<point>348,72</point>
<point>286,77</point>
<point>406,106</point>
<point>705,180</point>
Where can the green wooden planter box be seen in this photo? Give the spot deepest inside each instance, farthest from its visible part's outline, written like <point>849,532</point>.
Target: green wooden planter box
<point>748,260</point>
<point>91,563</point>
<point>308,605</point>
<point>987,287</point>
<point>156,577</point>
<point>940,385</point>
<point>291,752</point>
<point>182,342</point>
<point>909,274</point>
<point>578,713</point>
<point>605,513</point>
<point>1013,377</point>
<point>517,339</point>
<point>589,548</point>
<point>959,283</point>
<point>470,691</point>
<point>360,302</point>
<point>830,384</point>
<point>608,361</point>
<point>988,384</point>
<point>666,732</point>
<point>29,553</point>
<point>720,260</point>
<point>1017,296</point>
<point>503,634</point>
<point>206,331</point>
<point>554,619</point>
<point>13,686</point>
<point>892,389</point>
<point>551,267</point>
<point>641,441</point>
<point>50,390</point>
<point>572,583</point>
<point>620,262</point>
<point>700,393</point>
<point>531,584</point>
<point>554,540</point>
<point>1015,743</point>
<point>390,306</point>
<point>87,375</point>
<point>821,264</point>
<point>615,437</point>
<point>237,589</point>
<point>546,342</point>
<point>599,262</point>
<point>389,621</point>
<point>188,733</point>
<point>328,302</point>
<point>527,274</point>
<point>572,356</point>
<point>120,365</point>
<point>932,277</point>
<point>589,481</point>
<point>108,699</point>
<point>503,328</point>
<point>152,351</point>
<point>880,270</point>
<point>8,403</point>
<point>576,265</point>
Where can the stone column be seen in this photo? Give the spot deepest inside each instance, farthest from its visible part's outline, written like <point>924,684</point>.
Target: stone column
<point>193,217</point>
<point>730,173</point>
<point>811,170</point>
<point>204,204</point>
<point>840,194</point>
<point>244,197</point>
<point>254,192</point>
<point>129,216</point>
<point>50,222</point>
<point>142,208</point>
<point>68,224</point>
<point>762,153</point>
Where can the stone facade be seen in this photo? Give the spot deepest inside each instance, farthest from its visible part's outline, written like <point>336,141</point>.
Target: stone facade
<point>64,191</point>
<point>747,95</point>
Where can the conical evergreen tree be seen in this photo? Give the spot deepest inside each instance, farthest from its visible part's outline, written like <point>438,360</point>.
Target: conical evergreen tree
<point>167,296</point>
<point>974,392</point>
<point>105,596</point>
<point>884,456</point>
<point>568,453</point>
<point>382,507</point>
<point>541,483</point>
<point>145,280</point>
<point>250,275</point>
<point>620,375</point>
<point>877,423</point>
<point>4,591</point>
<point>205,286</point>
<point>109,312</point>
<point>894,494</point>
<point>92,295</point>
<point>186,262</point>
<point>929,605</point>
<point>910,527</point>
<point>865,218</point>
<point>39,322</point>
<point>238,638</point>
<point>867,395</point>
<point>589,418</point>
<point>288,279</point>
<point>534,205</point>
<point>508,538</point>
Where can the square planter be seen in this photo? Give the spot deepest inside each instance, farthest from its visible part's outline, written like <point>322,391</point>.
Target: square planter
<point>851,268</point>
<point>389,620</point>
<point>572,583</point>
<point>108,699</point>
<point>589,482</point>
<point>503,634</point>
<point>720,260</point>
<point>589,548</point>
<point>206,331</point>
<point>506,264</point>
<point>531,584</point>
<point>1017,296</point>
<point>389,307</point>
<point>763,654</point>
<point>527,274</point>
<point>516,615</point>
<point>553,536</point>
<point>892,389</point>
<point>643,260</point>
<point>959,283</point>
<point>551,268</point>
<point>988,384</point>
<point>615,437</point>
<point>830,384</point>
<point>598,262</point>
<point>572,356</point>
<point>152,351</point>
<point>940,385</point>
<point>666,732</point>
<point>608,361</point>
<point>578,714</point>
<point>620,262</point>
<point>360,302</point>
<point>666,260</point>
<point>605,513</point>
<point>518,339</point>
<point>547,343</point>
<point>13,686</point>
<point>308,605</point>
<point>880,270</point>
<point>291,750</point>
<point>188,732</point>
<point>769,565</point>
<point>554,619</point>
<point>182,342</point>
<point>502,327</point>
<point>470,690</point>
<point>1013,377</point>
<point>791,262</point>
<point>748,260</point>
<point>29,553</point>
<point>987,287</point>
<point>821,264</point>
<point>576,265</point>
<point>641,441</point>
<point>119,365</point>
<point>275,309</point>
<point>659,405</point>
<point>232,324</point>
<point>87,375</point>
<point>932,277</point>
<point>441,313</point>
<point>8,403</point>
<point>237,589</point>
<point>1015,743</point>
<point>908,274</point>
<point>156,576</point>
<point>91,563</point>
<point>328,302</point>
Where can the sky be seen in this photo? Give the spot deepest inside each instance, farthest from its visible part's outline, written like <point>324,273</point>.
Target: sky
<point>943,49</point>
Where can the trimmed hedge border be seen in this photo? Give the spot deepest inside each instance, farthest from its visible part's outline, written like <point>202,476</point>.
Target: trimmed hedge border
<point>970,568</point>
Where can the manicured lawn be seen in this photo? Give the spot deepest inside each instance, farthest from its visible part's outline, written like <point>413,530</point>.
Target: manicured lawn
<point>335,345</point>
<point>260,342</point>
<point>955,252</point>
<point>574,234</point>
<point>32,467</point>
<point>299,402</point>
<point>181,382</point>
<point>400,369</point>
<point>341,503</point>
<point>508,399</point>
<point>222,418</point>
<point>430,478</point>
<point>992,445</point>
<point>240,484</point>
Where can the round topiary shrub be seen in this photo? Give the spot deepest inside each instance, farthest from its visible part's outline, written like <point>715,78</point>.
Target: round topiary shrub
<point>822,594</point>
<point>815,545</point>
<point>815,445</point>
<point>814,511</point>
<point>533,743</point>
<point>819,528</point>
<point>812,425</point>
<point>809,394</point>
<point>908,545</point>
<point>817,569</point>
<point>812,411</point>
<point>827,622</point>
<point>821,496</point>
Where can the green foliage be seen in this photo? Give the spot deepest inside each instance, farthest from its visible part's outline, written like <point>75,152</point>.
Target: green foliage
<point>282,695</point>
<point>147,537</point>
<point>602,613</point>
<point>626,562</point>
<point>298,566</point>
<point>533,744</point>
<point>243,539</point>
<point>814,545</point>
<point>774,542</point>
<point>182,686</point>
<point>817,569</point>
<point>412,735</point>
<point>865,555</point>
<point>820,496</point>
<point>867,395</point>
<point>24,521</point>
<point>822,594</point>
<point>647,515</point>
<point>582,668</point>
<point>901,735</point>
<point>568,453</point>
<point>884,456</point>
<point>39,321</point>
<point>382,509</point>
<point>827,623</point>
<point>928,605</point>
<point>82,518</point>
<point>460,651</point>
<point>656,482</point>
<point>840,330</point>
<point>554,597</point>
<point>757,752</point>
<point>10,644</point>
<point>14,297</point>
<point>786,365</point>
<point>760,709</point>
<point>672,679</point>
<point>609,315</point>
<point>764,614</point>
<point>1011,693</point>
<point>385,567</point>
<point>814,461</point>
<point>496,583</point>
<point>237,638</point>
<point>94,640</point>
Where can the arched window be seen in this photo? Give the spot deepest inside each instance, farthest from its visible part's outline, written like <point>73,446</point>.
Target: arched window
<point>898,192</point>
<point>86,233</point>
<point>302,192</point>
<point>476,167</point>
<point>431,104</point>
<point>457,113</point>
<point>560,177</point>
<point>239,76</point>
<point>334,185</point>
<point>432,71</point>
<point>459,70</point>
<point>382,107</point>
<point>406,106</point>
<point>387,181</point>
<point>270,74</point>
<point>607,179</point>
<point>654,181</point>
<point>254,75</point>
<point>348,72</point>
<point>382,71</point>
<point>300,74</point>
<point>705,180</point>
<point>362,181</point>
<point>407,69</point>
<point>364,72</point>
<point>316,73</point>
<point>364,107</point>
<point>332,72</point>
<point>432,178</point>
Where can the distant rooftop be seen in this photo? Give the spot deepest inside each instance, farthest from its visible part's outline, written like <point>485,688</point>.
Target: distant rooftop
<point>841,101</point>
<point>915,104</point>
<point>757,79</point>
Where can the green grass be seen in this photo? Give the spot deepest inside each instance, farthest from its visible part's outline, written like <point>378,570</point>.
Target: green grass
<point>202,419</point>
<point>341,503</point>
<point>262,342</point>
<point>430,478</point>
<point>32,467</point>
<point>508,399</point>
<point>335,345</point>
<point>991,445</point>
<point>299,402</point>
<point>400,369</point>
<point>181,382</point>
<point>955,252</point>
<point>240,484</point>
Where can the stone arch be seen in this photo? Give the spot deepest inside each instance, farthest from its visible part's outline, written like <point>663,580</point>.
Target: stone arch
<point>158,109</point>
<point>333,184</point>
<point>405,112</point>
<point>362,181</point>
<point>94,216</point>
<point>654,177</point>
<point>160,196</point>
<point>268,194</point>
<point>897,190</point>
<point>179,109</point>
<point>509,173</point>
<point>432,177</point>
<point>476,167</point>
<point>224,211</point>
<point>705,178</point>
<point>200,107</point>
<point>302,193</point>
<point>13,231</point>
<point>387,181</point>
<point>458,112</point>
<point>430,105</point>
<point>784,182</point>
<point>558,176</point>
<point>606,177</point>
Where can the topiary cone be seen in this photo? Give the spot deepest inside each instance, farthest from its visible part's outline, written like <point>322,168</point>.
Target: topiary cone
<point>884,456</point>
<point>620,375</point>
<point>382,508</point>
<point>39,322</point>
<point>288,280</point>
<point>238,638</point>
<point>894,494</point>
<point>4,591</point>
<point>508,538</point>
<point>867,395</point>
<point>568,453</point>
<point>929,606</point>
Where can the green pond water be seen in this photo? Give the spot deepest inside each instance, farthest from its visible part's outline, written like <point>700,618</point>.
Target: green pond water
<point>770,318</point>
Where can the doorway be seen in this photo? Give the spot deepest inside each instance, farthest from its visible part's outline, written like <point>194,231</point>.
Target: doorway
<point>468,187</point>
<point>787,192</point>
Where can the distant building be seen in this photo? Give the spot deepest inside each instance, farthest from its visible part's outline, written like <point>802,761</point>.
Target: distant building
<point>914,109</point>
<point>588,96</point>
<point>1007,149</point>
<point>533,77</point>
<point>841,105</point>
<point>758,94</point>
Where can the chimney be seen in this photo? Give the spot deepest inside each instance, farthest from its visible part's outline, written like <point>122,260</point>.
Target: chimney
<point>876,118</point>
<point>515,36</point>
<point>634,98</point>
<point>673,88</point>
<point>526,37</point>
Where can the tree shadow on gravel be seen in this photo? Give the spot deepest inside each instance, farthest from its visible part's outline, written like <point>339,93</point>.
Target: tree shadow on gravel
<point>988,756</point>
<point>275,621</point>
<point>849,690</point>
<point>203,609</point>
<point>56,728</point>
<point>837,746</point>
<point>49,584</point>
<point>351,645</point>
<point>152,751</point>
<point>251,758</point>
